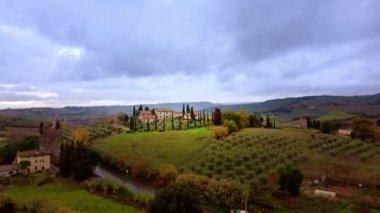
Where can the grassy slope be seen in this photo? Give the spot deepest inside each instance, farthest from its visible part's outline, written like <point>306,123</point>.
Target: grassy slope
<point>176,147</point>
<point>69,195</point>
<point>335,115</point>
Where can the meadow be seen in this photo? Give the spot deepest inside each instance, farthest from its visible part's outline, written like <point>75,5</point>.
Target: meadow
<point>176,147</point>
<point>69,195</point>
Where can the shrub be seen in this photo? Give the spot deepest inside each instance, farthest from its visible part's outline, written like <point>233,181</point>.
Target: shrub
<point>167,174</point>
<point>144,170</point>
<point>220,132</point>
<point>7,205</point>
<point>231,126</point>
<point>219,193</point>
<point>177,197</point>
<point>41,205</point>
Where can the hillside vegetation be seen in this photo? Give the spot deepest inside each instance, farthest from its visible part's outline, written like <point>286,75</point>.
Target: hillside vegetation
<point>69,195</point>
<point>175,147</point>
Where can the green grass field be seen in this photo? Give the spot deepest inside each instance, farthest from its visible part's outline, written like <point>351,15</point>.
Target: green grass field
<point>69,195</point>
<point>335,115</point>
<point>175,147</point>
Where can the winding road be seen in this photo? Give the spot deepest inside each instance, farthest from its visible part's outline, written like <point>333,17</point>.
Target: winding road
<point>103,172</point>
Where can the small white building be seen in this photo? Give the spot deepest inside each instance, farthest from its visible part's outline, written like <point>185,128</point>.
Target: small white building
<point>325,194</point>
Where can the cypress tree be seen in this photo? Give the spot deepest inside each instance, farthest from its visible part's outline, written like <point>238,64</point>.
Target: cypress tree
<point>148,125</point>
<point>164,123</point>
<point>134,111</point>
<point>41,129</point>
<point>188,123</point>
<point>183,110</point>
<point>180,123</point>
<point>192,113</point>
<point>187,108</point>
<point>172,121</point>
<point>155,123</point>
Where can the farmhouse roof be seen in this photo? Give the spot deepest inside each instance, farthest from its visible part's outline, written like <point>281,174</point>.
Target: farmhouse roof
<point>7,167</point>
<point>164,110</point>
<point>32,153</point>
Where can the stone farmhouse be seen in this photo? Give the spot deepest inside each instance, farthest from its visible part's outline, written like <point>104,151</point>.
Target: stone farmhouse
<point>39,160</point>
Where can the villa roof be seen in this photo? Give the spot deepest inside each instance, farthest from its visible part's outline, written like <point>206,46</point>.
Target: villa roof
<point>164,110</point>
<point>32,153</point>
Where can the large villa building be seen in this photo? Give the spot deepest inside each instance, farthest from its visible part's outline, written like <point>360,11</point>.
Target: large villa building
<point>163,113</point>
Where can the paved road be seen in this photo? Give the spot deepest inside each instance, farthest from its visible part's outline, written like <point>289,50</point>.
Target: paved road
<point>132,185</point>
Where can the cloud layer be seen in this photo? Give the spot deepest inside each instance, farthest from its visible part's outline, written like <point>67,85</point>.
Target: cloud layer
<point>56,53</point>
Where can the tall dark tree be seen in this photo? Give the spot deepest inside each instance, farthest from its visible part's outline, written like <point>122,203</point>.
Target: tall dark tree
<point>57,124</point>
<point>64,162</point>
<point>183,110</point>
<point>268,124</point>
<point>172,121</point>
<point>141,108</point>
<point>188,123</point>
<point>164,121</point>
<point>134,111</point>
<point>41,129</point>
<point>192,115</point>
<point>146,108</point>
<point>290,179</point>
<point>187,108</point>
<point>148,125</point>
<point>180,123</point>
<point>155,123</point>
<point>217,115</point>
<point>153,111</point>
<point>207,118</point>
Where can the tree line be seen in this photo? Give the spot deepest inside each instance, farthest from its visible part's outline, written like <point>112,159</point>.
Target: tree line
<point>77,161</point>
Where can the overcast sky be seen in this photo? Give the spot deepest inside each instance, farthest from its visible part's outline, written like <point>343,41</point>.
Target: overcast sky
<point>97,52</point>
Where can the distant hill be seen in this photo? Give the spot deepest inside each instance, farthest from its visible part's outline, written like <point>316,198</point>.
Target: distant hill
<point>286,109</point>
<point>289,108</point>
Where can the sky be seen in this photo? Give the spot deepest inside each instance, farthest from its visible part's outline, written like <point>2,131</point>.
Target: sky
<point>119,52</point>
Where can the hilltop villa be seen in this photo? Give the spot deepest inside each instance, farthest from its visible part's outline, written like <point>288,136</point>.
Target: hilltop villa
<point>161,113</point>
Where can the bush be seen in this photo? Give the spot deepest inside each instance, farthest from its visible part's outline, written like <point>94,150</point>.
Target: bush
<point>46,206</point>
<point>144,170</point>
<point>167,173</point>
<point>220,132</point>
<point>176,198</point>
<point>231,126</point>
<point>7,205</point>
<point>219,193</point>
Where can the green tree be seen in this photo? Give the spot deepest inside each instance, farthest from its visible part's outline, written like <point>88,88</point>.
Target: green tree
<point>183,110</point>
<point>231,126</point>
<point>23,165</point>
<point>362,128</point>
<point>290,179</point>
<point>175,198</point>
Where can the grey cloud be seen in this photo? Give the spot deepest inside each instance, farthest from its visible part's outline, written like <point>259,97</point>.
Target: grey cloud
<point>248,47</point>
